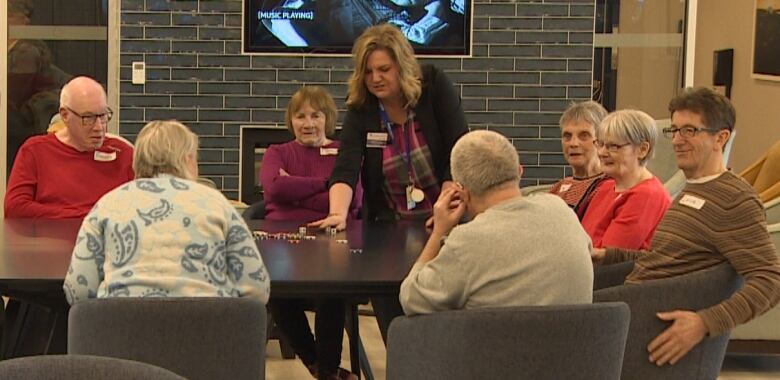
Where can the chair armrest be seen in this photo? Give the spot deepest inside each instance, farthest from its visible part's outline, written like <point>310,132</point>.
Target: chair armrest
<point>772,209</point>
<point>606,276</point>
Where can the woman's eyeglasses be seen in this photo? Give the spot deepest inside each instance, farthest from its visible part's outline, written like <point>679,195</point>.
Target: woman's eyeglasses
<point>610,147</point>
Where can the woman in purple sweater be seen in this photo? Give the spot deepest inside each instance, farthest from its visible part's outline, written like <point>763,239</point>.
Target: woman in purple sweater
<point>295,176</point>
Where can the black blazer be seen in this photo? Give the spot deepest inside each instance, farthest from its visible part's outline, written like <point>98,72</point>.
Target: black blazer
<point>441,118</point>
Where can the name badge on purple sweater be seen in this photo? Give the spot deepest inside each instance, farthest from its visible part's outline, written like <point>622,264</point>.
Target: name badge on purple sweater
<point>329,151</point>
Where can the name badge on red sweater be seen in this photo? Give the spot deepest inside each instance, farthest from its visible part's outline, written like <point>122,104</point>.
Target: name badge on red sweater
<point>105,156</point>
<point>692,202</point>
<point>564,188</point>
<point>329,151</point>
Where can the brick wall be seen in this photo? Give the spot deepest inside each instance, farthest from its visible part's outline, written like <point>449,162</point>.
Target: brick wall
<point>530,59</point>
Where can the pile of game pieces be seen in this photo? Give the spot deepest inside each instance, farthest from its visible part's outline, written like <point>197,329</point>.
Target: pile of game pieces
<point>302,234</point>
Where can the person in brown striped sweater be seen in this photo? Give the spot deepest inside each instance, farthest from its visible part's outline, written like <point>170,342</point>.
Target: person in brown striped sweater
<point>717,217</point>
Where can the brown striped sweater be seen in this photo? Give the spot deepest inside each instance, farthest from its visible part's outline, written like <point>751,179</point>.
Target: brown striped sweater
<point>729,226</point>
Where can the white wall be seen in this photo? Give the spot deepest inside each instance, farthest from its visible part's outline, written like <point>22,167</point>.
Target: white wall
<point>728,24</point>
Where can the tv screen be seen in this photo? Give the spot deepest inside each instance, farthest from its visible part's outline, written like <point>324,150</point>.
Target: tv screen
<point>434,27</point>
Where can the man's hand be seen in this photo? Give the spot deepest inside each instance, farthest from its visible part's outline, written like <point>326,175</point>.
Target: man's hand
<point>447,211</point>
<point>597,255</point>
<point>333,220</point>
<point>444,186</point>
<point>687,330</point>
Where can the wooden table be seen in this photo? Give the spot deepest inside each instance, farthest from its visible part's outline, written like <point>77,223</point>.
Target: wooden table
<point>35,255</point>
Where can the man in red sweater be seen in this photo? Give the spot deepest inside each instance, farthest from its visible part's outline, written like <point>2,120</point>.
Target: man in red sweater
<point>63,174</point>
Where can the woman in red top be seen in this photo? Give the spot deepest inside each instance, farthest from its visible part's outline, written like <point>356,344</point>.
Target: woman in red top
<point>627,207</point>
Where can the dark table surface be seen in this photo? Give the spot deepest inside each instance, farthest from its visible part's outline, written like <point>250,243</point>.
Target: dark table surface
<point>38,251</point>
<point>328,265</point>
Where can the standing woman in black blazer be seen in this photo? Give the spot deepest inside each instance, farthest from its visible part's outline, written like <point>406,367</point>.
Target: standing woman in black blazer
<point>401,124</point>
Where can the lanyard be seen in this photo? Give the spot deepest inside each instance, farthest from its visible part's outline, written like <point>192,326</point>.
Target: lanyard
<point>407,154</point>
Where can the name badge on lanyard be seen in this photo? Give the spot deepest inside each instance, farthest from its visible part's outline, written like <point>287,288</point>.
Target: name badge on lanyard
<point>376,139</point>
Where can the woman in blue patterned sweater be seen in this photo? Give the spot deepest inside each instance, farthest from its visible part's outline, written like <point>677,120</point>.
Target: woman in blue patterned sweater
<point>163,234</point>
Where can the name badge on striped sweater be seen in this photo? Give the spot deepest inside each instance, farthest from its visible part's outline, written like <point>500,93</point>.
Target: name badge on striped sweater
<point>692,202</point>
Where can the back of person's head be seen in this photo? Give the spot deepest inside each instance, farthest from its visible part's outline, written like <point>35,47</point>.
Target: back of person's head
<point>163,147</point>
<point>319,99</point>
<point>716,110</point>
<point>589,112</point>
<point>630,126</point>
<point>20,7</point>
<point>483,160</point>
<point>389,38</point>
<point>56,124</point>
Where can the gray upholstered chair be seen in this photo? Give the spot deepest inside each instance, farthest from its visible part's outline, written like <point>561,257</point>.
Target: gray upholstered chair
<point>531,342</point>
<point>605,276</point>
<point>694,291</point>
<point>198,338</point>
<point>537,189</point>
<point>81,367</point>
<point>761,335</point>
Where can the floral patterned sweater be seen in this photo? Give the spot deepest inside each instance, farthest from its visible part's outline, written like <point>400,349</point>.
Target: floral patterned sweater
<point>165,237</point>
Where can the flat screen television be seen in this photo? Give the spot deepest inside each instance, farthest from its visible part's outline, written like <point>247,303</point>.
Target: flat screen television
<point>434,27</point>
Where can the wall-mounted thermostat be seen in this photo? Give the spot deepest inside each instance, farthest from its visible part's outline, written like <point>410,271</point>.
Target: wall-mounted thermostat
<point>139,73</point>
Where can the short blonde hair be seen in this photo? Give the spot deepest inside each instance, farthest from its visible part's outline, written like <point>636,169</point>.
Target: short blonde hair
<point>390,39</point>
<point>482,160</point>
<point>319,99</point>
<point>631,126</point>
<point>162,147</point>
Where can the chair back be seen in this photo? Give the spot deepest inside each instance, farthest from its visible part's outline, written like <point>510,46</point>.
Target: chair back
<point>763,327</point>
<point>532,342</point>
<point>663,164</point>
<point>198,338</point>
<point>694,291</point>
<point>254,211</point>
<point>80,367</point>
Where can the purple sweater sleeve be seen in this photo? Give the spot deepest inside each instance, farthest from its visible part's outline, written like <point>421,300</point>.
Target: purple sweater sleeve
<point>286,189</point>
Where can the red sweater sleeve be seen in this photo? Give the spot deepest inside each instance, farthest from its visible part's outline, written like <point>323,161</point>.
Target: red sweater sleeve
<point>636,216</point>
<point>20,196</point>
<point>286,189</point>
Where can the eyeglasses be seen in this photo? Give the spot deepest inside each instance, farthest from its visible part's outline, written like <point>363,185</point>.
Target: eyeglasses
<point>684,131</point>
<point>610,147</point>
<point>89,120</point>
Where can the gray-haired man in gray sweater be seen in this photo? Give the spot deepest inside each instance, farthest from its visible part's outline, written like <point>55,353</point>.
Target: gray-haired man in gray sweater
<point>515,251</point>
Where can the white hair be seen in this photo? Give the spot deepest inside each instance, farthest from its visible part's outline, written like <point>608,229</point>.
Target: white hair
<point>162,147</point>
<point>482,160</point>
<point>630,126</point>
